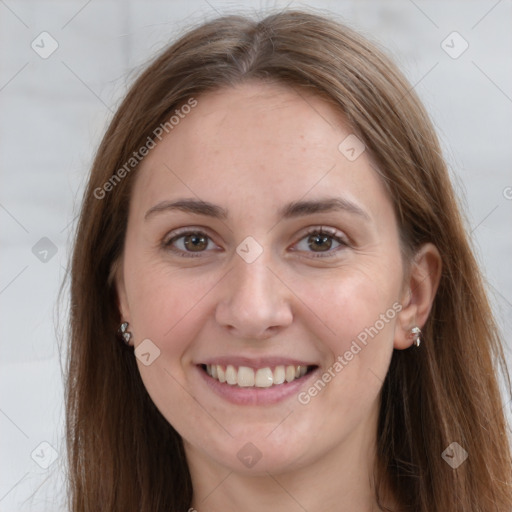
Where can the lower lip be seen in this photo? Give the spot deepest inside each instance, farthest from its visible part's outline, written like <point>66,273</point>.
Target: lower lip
<point>253,395</point>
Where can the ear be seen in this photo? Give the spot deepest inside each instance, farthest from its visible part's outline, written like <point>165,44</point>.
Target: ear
<point>418,293</point>
<point>116,279</point>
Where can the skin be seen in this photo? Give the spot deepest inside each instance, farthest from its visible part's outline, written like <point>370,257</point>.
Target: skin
<point>252,149</point>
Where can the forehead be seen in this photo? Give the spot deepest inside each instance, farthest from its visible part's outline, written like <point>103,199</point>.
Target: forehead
<point>255,141</point>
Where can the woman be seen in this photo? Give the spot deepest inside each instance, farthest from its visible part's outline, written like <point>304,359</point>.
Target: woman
<point>274,302</point>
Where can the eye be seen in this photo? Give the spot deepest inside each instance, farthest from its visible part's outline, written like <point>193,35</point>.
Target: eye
<point>320,240</point>
<point>190,243</point>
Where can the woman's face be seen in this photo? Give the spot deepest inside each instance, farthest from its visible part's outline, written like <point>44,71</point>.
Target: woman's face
<point>236,280</point>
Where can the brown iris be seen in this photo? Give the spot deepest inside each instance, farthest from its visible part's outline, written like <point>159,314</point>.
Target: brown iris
<point>315,240</point>
<point>195,242</point>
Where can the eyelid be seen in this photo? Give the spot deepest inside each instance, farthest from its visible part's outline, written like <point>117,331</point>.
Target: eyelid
<point>325,230</point>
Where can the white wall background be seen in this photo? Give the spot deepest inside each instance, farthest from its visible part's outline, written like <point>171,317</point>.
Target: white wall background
<point>54,110</point>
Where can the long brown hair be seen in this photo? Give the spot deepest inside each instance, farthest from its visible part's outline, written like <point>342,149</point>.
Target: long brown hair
<point>122,453</point>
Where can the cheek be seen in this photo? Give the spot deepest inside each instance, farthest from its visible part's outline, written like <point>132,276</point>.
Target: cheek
<point>353,304</point>
<point>367,311</point>
<point>165,302</point>
<point>168,308</point>
<point>358,312</point>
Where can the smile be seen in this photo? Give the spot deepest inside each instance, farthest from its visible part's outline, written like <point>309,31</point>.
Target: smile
<point>244,376</point>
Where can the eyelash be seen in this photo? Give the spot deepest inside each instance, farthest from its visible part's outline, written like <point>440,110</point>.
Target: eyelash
<point>167,244</point>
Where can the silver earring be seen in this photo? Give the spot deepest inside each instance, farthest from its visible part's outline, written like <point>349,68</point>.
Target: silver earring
<point>416,332</point>
<point>123,333</point>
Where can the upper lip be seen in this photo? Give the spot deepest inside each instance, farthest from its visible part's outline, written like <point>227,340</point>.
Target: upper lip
<point>256,362</point>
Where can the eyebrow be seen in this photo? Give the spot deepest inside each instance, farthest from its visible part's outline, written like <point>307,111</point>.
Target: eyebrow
<point>289,211</point>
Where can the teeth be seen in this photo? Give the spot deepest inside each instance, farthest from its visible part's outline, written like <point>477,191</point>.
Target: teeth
<point>264,378</point>
<point>261,378</point>
<point>279,374</point>
<point>231,375</point>
<point>245,376</point>
<point>290,373</point>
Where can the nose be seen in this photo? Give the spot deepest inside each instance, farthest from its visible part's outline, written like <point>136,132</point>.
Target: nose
<point>255,302</point>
